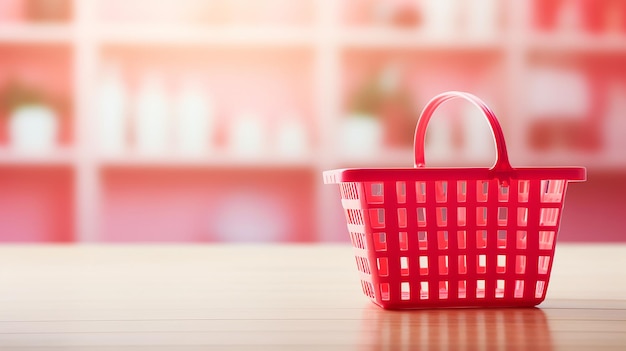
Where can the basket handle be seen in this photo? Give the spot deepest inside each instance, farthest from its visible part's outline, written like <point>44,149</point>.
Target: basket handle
<point>502,157</point>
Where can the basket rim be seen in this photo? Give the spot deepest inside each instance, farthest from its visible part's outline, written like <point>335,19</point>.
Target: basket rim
<point>573,174</point>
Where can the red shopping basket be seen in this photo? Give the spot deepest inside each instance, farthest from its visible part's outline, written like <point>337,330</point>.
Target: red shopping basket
<point>446,237</point>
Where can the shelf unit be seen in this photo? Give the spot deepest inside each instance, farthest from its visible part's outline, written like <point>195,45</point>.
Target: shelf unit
<point>36,33</point>
<point>228,36</point>
<point>333,51</point>
<point>60,157</point>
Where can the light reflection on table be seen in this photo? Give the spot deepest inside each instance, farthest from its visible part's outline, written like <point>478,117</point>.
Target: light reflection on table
<point>457,329</point>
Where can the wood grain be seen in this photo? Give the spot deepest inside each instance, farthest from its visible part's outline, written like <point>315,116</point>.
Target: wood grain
<point>280,298</point>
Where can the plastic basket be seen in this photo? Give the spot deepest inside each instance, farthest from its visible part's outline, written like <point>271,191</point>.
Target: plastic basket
<point>446,237</point>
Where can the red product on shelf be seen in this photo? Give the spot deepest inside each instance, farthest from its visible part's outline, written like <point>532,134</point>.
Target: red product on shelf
<point>445,237</point>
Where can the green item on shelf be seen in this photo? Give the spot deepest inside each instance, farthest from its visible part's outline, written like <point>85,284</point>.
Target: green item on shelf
<point>382,96</point>
<point>368,98</point>
<point>18,94</point>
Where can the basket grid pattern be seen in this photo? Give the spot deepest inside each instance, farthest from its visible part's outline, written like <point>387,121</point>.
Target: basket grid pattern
<point>458,241</point>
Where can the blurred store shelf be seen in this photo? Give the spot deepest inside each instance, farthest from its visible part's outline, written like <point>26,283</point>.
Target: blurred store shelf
<point>390,38</point>
<point>185,35</point>
<point>608,44</point>
<point>212,161</point>
<point>40,33</point>
<point>60,157</point>
<point>272,92</point>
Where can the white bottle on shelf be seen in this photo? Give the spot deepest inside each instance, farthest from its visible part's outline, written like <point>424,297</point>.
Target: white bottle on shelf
<point>194,116</point>
<point>482,18</point>
<point>33,129</point>
<point>247,134</point>
<point>361,135</point>
<point>441,18</point>
<point>478,142</point>
<point>292,139</point>
<point>111,111</point>
<point>152,116</point>
<point>439,138</point>
<point>555,91</point>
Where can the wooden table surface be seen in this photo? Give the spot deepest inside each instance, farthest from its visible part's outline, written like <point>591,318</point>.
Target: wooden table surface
<point>221,297</point>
